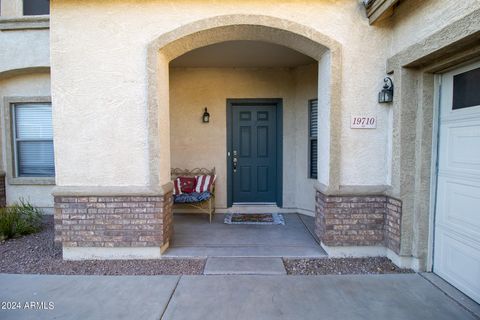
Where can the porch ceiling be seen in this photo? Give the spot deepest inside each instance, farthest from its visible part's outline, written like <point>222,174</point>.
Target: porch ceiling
<point>242,53</point>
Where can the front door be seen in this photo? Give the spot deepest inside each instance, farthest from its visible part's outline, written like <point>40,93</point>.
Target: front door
<point>457,217</point>
<point>253,152</point>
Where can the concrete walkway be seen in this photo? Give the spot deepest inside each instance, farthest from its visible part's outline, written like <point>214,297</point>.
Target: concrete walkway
<point>403,296</point>
<point>244,265</point>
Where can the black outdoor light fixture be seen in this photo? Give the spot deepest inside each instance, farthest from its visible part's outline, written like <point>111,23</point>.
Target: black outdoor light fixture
<point>386,95</point>
<point>206,116</point>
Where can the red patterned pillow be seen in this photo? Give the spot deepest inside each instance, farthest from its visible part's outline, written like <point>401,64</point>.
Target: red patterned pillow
<point>204,183</point>
<point>187,184</point>
<point>176,187</point>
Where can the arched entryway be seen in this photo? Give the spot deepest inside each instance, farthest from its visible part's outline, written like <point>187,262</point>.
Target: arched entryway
<point>165,48</point>
<point>244,27</point>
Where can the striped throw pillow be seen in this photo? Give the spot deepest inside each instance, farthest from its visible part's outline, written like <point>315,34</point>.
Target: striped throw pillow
<point>204,183</point>
<point>176,187</point>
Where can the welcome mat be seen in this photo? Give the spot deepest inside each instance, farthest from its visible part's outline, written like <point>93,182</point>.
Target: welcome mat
<point>254,218</point>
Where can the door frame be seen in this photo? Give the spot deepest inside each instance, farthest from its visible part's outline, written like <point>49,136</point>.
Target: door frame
<point>434,170</point>
<point>278,104</point>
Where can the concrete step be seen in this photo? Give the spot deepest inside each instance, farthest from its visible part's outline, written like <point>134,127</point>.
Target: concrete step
<point>245,251</point>
<point>244,265</point>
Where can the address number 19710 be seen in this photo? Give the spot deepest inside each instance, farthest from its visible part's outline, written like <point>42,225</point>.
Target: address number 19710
<point>363,122</point>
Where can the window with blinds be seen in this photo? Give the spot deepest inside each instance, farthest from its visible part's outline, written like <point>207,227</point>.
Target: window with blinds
<point>33,140</point>
<point>36,7</point>
<point>312,138</point>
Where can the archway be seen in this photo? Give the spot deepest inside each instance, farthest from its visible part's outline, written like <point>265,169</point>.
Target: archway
<point>244,27</point>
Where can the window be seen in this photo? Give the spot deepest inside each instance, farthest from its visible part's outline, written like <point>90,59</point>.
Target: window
<point>466,89</point>
<point>36,7</point>
<point>32,140</point>
<point>312,137</point>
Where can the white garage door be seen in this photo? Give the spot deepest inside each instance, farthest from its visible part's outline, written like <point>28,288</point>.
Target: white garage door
<point>457,213</point>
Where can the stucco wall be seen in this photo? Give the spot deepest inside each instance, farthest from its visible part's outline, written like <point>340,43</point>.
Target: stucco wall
<point>415,20</point>
<point>306,88</point>
<point>195,144</point>
<point>32,85</point>
<point>24,49</point>
<point>11,8</point>
<point>113,89</point>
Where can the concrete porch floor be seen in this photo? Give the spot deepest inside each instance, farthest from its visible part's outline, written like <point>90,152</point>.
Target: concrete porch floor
<point>195,237</point>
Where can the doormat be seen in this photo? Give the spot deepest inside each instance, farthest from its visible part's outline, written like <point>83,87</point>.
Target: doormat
<point>254,218</point>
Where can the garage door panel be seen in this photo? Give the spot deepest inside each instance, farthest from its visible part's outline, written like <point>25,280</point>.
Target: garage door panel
<point>457,209</point>
<point>459,206</point>
<point>458,140</point>
<point>459,263</point>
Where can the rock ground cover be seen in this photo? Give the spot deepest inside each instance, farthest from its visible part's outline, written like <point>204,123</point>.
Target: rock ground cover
<point>37,254</point>
<point>324,266</point>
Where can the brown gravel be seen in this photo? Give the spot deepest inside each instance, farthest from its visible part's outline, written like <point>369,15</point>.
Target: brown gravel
<point>323,266</point>
<point>36,254</point>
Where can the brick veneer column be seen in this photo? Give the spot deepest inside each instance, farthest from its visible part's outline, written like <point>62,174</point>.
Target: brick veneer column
<point>114,221</point>
<point>358,220</point>
<point>393,216</point>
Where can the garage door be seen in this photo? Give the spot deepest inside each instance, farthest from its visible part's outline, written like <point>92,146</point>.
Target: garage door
<point>457,212</point>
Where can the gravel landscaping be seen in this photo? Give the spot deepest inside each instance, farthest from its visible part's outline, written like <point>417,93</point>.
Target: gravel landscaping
<point>36,254</point>
<point>324,266</point>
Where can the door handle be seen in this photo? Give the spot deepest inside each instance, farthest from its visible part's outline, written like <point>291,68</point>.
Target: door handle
<point>235,161</point>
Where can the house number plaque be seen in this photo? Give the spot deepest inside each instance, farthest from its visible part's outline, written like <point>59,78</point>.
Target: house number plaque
<point>363,122</point>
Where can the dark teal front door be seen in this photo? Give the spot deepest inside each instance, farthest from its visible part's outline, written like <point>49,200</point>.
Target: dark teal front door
<point>253,152</point>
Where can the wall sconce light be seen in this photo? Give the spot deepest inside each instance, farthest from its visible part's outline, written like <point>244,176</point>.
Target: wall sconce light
<point>206,116</point>
<point>386,95</point>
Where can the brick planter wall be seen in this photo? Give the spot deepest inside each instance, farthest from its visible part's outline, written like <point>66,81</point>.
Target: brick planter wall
<point>358,221</point>
<point>123,221</point>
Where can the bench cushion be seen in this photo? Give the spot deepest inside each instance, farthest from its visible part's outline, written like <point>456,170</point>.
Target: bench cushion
<point>192,197</point>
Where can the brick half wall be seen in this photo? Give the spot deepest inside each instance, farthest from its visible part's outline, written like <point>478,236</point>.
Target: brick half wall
<point>123,221</point>
<point>358,221</point>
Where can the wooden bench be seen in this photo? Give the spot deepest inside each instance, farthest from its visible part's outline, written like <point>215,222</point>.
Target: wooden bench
<point>206,206</point>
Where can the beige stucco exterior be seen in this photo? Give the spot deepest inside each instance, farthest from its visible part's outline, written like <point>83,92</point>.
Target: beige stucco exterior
<point>34,42</point>
<point>126,98</point>
<point>119,110</point>
<point>411,23</point>
<point>11,8</point>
